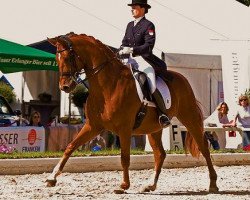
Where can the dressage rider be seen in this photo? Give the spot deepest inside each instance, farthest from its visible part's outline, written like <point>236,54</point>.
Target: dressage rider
<point>139,42</point>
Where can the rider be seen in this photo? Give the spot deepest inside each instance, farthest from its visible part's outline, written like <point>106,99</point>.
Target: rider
<point>139,41</point>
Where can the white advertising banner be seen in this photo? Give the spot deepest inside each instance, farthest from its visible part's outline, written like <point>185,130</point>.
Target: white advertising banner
<point>235,71</point>
<point>23,139</point>
<point>220,96</point>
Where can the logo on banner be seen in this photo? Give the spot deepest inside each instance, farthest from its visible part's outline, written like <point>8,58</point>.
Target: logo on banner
<point>32,137</point>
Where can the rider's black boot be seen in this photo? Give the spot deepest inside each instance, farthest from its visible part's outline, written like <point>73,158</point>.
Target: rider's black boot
<point>163,118</point>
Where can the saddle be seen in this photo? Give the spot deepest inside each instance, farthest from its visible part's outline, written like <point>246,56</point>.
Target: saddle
<point>145,95</point>
<point>141,77</point>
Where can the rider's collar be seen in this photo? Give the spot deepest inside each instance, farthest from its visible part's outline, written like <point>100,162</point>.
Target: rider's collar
<point>137,20</point>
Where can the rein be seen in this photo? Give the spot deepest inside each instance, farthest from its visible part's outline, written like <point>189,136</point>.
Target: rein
<point>96,70</point>
<point>72,55</point>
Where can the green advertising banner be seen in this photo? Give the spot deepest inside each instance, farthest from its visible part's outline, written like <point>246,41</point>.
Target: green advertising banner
<point>16,58</point>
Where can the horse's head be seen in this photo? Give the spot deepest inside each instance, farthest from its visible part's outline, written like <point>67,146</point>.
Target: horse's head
<point>67,63</point>
<point>78,54</point>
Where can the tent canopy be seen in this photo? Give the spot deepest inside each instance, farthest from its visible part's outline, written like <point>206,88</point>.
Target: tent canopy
<point>192,61</point>
<point>44,45</point>
<point>15,58</point>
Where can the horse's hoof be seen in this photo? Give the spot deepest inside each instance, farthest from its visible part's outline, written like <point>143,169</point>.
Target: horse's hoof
<point>119,191</point>
<point>125,186</point>
<point>145,189</point>
<point>148,188</point>
<point>51,183</point>
<point>213,189</point>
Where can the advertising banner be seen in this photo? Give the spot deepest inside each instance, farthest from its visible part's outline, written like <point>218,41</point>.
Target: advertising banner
<point>236,73</point>
<point>23,139</point>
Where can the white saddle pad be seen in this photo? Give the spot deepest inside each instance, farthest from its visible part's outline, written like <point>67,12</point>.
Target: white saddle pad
<point>162,87</point>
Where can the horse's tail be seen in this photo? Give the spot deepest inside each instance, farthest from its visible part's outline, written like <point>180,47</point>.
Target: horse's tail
<point>190,143</point>
<point>191,146</point>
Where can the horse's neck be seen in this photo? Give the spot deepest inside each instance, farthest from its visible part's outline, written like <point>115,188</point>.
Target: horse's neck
<point>109,79</point>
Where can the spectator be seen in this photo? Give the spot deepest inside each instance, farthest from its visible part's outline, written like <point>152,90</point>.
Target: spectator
<point>138,142</point>
<point>109,138</point>
<point>243,117</point>
<point>97,144</point>
<point>35,119</point>
<point>218,119</point>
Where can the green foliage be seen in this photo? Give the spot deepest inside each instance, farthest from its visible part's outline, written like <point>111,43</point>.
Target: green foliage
<point>245,2</point>
<point>247,93</point>
<point>79,95</point>
<point>7,92</point>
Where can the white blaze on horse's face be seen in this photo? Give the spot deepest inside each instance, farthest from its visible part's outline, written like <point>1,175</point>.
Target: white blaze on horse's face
<point>59,56</point>
<point>66,82</point>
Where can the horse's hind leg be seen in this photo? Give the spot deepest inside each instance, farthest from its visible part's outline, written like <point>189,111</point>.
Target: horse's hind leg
<point>159,156</point>
<point>212,173</point>
<point>196,132</point>
<point>82,137</point>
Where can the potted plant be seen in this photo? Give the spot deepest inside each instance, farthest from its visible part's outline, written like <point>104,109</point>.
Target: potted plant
<point>79,97</point>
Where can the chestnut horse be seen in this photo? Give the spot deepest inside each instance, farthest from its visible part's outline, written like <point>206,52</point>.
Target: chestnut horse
<point>113,103</point>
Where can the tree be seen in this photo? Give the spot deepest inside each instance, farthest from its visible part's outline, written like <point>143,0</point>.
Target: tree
<point>245,2</point>
<point>7,92</point>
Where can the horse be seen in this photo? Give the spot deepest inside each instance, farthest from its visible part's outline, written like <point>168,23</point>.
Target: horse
<point>113,103</point>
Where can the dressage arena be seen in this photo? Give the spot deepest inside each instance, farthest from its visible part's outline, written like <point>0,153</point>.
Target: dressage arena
<point>182,183</point>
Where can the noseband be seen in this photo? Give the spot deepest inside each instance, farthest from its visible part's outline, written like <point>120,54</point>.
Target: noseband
<point>72,59</point>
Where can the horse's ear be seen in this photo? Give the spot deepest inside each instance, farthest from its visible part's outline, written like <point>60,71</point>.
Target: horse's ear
<point>52,41</point>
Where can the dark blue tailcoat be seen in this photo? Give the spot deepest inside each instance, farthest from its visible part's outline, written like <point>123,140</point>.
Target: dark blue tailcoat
<point>142,38</point>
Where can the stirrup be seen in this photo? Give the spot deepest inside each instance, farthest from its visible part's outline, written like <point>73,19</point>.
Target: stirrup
<point>164,120</point>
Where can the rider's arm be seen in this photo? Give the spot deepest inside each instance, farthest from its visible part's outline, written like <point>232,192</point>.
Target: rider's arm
<point>125,40</point>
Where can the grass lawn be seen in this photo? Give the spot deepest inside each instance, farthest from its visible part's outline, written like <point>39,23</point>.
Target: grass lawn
<point>113,152</point>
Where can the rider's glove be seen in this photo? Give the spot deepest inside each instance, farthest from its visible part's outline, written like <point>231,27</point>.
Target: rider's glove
<point>126,50</point>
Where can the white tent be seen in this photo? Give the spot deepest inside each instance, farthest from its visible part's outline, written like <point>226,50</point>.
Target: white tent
<point>204,73</point>
<point>187,27</point>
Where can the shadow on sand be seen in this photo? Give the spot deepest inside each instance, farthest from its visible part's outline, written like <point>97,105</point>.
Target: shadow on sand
<point>196,193</point>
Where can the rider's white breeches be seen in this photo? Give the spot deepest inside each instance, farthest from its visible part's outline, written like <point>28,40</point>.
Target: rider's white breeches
<point>140,64</point>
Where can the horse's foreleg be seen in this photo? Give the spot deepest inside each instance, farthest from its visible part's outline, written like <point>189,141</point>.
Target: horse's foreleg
<point>159,155</point>
<point>125,141</point>
<point>82,137</point>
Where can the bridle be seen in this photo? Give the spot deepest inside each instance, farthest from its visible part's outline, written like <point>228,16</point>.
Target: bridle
<point>75,76</point>
<point>72,59</point>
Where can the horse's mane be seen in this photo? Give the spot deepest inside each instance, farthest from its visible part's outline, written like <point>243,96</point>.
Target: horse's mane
<point>108,51</point>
